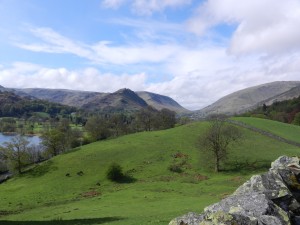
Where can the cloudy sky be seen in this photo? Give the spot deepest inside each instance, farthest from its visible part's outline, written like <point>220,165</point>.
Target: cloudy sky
<point>194,51</point>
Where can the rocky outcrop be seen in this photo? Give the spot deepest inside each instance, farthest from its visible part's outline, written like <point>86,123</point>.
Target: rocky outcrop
<point>272,198</point>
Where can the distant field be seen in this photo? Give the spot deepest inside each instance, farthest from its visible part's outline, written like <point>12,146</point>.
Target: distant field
<point>46,195</point>
<point>287,131</point>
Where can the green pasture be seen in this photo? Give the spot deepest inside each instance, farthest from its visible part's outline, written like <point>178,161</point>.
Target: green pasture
<point>54,192</point>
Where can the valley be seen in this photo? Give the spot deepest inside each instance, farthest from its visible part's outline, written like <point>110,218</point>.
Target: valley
<point>158,151</point>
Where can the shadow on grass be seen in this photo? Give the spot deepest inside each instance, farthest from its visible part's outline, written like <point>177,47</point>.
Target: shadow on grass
<point>126,179</point>
<point>64,222</point>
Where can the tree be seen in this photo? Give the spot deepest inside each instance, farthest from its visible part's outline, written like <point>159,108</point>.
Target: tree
<point>216,140</point>
<point>54,141</point>
<point>117,122</point>
<point>146,117</point>
<point>16,152</point>
<point>97,128</point>
<point>114,172</point>
<point>167,118</point>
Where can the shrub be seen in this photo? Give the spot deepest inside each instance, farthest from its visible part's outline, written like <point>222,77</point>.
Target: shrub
<point>114,172</point>
<point>175,168</point>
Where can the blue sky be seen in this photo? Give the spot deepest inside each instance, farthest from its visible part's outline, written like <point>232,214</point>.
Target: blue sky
<point>193,51</point>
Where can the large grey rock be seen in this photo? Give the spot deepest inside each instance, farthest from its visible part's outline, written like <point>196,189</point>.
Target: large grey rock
<point>268,199</point>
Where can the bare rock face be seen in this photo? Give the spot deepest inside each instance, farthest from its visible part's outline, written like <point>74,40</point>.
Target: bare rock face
<point>272,198</point>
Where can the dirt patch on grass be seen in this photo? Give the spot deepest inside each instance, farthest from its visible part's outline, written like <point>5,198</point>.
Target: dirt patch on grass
<point>90,194</point>
<point>238,180</point>
<point>199,177</point>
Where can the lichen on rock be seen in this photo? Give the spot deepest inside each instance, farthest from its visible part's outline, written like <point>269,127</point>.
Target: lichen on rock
<point>272,198</point>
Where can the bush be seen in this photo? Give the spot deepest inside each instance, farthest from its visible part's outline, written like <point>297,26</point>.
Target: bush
<point>175,168</point>
<point>114,172</point>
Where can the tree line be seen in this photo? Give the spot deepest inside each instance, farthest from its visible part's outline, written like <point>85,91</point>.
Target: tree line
<point>12,105</point>
<point>60,136</point>
<point>287,111</point>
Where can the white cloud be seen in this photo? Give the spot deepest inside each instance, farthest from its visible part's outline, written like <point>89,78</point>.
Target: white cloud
<point>100,53</point>
<point>112,3</point>
<point>263,26</point>
<point>27,75</point>
<point>146,7</point>
<point>53,42</point>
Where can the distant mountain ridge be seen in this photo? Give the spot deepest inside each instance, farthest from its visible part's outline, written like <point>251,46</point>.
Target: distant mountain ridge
<point>160,101</point>
<point>14,105</point>
<point>121,100</point>
<point>252,97</point>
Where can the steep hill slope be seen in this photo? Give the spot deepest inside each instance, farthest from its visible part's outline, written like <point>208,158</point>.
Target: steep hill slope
<point>160,101</point>
<point>157,195</point>
<point>290,94</point>
<point>249,98</point>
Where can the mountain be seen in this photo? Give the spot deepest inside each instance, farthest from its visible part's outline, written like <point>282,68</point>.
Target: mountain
<point>292,93</point>
<point>249,98</point>
<point>160,101</point>
<point>121,100</point>
<point>63,96</point>
<point>15,105</point>
<point>124,98</point>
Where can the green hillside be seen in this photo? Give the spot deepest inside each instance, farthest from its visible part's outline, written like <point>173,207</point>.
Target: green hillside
<point>47,196</point>
<point>287,131</point>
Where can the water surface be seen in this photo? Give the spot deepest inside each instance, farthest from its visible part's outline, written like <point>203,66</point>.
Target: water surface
<point>34,140</point>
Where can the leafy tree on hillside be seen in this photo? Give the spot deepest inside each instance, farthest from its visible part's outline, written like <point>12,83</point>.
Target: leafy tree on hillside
<point>216,140</point>
<point>98,128</point>
<point>16,152</point>
<point>117,124</point>
<point>167,119</point>
<point>146,118</point>
<point>60,137</point>
<point>151,119</point>
<point>54,141</point>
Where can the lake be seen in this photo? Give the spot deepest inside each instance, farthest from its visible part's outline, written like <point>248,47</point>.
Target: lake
<point>35,140</point>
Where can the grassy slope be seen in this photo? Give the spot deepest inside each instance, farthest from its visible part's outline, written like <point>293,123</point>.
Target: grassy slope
<point>287,131</point>
<point>46,194</point>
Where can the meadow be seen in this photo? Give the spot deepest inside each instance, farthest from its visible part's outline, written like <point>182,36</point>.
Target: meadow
<point>73,189</point>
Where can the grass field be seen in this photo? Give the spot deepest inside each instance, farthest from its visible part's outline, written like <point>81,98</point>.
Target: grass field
<point>45,195</point>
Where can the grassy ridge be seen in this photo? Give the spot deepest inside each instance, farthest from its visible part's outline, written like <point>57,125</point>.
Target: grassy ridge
<point>287,131</point>
<point>46,194</point>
